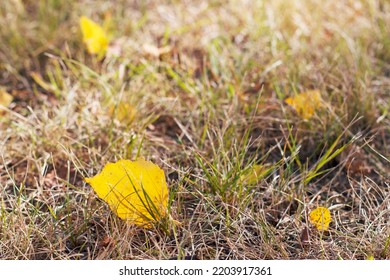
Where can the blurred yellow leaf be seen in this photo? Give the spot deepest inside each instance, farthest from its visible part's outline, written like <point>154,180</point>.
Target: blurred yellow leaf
<point>254,174</point>
<point>5,99</point>
<point>94,36</point>
<point>123,112</point>
<point>370,258</point>
<point>320,218</point>
<point>305,103</point>
<point>136,191</point>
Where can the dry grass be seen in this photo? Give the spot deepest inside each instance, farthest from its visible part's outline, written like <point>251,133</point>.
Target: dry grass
<point>206,112</point>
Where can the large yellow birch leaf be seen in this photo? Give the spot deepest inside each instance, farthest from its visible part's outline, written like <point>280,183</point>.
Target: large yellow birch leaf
<point>136,191</point>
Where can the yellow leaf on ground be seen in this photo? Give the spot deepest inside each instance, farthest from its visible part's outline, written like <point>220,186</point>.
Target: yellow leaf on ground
<point>320,218</point>
<point>305,103</point>
<point>5,99</point>
<point>254,174</point>
<point>124,112</point>
<point>94,36</point>
<point>136,191</point>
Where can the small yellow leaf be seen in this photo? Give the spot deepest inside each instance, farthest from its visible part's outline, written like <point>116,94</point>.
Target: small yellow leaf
<point>370,258</point>
<point>94,36</point>
<point>254,174</point>
<point>136,191</point>
<point>320,218</point>
<point>124,112</point>
<point>305,103</point>
<point>5,99</point>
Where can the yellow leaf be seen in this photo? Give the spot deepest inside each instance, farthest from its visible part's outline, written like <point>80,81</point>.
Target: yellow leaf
<point>5,99</point>
<point>123,112</point>
<point>370,258</point>
<point>136,191</point>
<point>320,218</point>
<point>305,103</point>
<point>254,174</point>
<point>94,36</point>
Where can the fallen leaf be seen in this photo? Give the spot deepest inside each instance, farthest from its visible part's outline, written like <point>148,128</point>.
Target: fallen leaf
<point>5,99</point>
<point>94,36</point>
<point>124,112</point>
<point>136,191</point>
<point>320,218</point>
<point>254,174</point>
<point>305,103</point>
